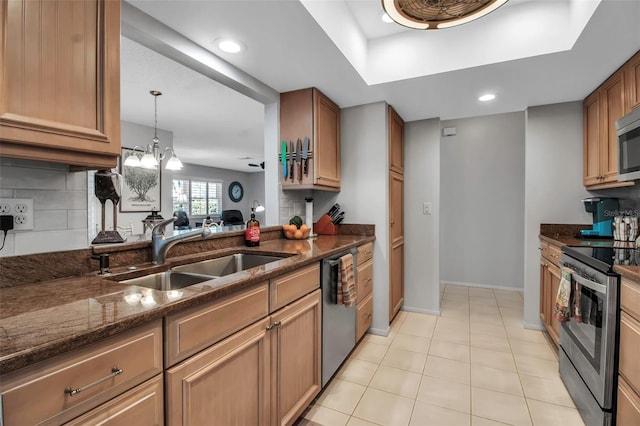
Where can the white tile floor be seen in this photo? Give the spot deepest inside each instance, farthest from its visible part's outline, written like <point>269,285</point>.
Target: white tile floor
<point>473,365</point>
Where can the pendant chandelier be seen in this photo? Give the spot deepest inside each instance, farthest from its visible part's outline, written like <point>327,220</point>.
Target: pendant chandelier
<point>151,157</point>
<point>438,14</point>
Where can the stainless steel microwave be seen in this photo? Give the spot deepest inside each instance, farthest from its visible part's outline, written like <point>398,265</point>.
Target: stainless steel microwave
<point>628,130</point>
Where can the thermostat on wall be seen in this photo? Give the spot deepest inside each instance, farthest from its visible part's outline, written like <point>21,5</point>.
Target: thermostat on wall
<point>449,131</point>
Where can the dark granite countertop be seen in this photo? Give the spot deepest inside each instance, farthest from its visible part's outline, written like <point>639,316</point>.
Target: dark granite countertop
<point>40,320</point>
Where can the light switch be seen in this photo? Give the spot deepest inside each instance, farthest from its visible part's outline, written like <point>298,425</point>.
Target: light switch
<point>426,208</point>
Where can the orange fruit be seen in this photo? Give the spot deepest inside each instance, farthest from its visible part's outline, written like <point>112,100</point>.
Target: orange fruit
<point>304,227</point>
<point>298,234</point>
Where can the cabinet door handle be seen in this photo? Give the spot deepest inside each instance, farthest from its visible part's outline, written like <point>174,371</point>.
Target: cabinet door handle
<point>367,281</point>
<point>277,323</point>
<point>114,372</point>
<point>269,327</point>
<point>392,222</point>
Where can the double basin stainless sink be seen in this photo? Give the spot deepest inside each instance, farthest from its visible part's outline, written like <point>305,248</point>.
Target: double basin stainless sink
<point>194,273</point>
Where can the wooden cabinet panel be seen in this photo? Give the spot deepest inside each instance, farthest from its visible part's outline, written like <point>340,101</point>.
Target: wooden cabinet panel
<point>365,252</point>
<point>289,287</point>
<point>142,405</point>
<point>60,94</point>
<point>364,284</point>
<point>396,142</point>
<point>296,358</point>
<point>396,280</point>
<point>194,329</point>
<point>591,142</point>
<point>629,344</point>
<point>628,409</point>
<point>138,353</point>
<point>554,278</point>
<point>396,207</point>
<point>551,252</point>
<point>612,110</point>
<point>228,382</point>
<point>630,297</point>
<point>364,316</point>
<point>327,137</point>
<point>632,82</point>
<point>309,113</point>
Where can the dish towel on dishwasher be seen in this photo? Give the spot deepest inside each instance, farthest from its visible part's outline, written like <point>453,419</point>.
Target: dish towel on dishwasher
<point>346,288</point>
<point>562,310</point>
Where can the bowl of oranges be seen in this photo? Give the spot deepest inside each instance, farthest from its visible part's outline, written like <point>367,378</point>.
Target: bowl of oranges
<point>296,229</point>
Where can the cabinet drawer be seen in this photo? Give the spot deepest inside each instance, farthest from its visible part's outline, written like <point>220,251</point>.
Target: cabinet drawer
<point>289,287</point>
<point>142,405</point>
<point>364,316</point>
<point>551,252</point>
<point>365,252</point>
<point>38,393</point>
<point>630,298</point>
<point>197,328</point>
<point>628,411</point>
<point>365,280</point>
<point>629,344</point>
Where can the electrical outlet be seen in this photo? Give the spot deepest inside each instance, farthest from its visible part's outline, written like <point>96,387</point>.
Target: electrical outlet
<point>21,208</point>
<point>426,208</point>
<point>22,211</point>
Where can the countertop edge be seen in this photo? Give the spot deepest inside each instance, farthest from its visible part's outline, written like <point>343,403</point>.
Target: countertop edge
<point>26,357</point>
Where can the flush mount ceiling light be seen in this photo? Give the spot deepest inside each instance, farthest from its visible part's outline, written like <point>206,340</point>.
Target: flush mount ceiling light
<point>438,14</point>
<point>228,45</point>
<point>487,97</point>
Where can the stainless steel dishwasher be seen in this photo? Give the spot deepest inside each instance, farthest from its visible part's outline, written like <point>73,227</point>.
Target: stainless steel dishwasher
<point>338,321</point>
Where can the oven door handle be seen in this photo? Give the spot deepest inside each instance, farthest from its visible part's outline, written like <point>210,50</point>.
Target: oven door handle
<point>590,284</point>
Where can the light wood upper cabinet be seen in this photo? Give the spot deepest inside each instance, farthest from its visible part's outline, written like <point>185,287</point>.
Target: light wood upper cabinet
<point>615,98</point>
<point>632,78</point>
<point>309,113</point>
<point>396,142</point>
<point>60,93</point>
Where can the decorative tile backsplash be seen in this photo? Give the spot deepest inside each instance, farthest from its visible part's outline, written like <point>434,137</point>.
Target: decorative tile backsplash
<point>291,204</point>
<point>59,203</point>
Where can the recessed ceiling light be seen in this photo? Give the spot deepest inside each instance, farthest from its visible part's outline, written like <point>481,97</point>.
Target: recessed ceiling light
<point>386,18</point>
<point>230,46</point>
<point>486,98</point>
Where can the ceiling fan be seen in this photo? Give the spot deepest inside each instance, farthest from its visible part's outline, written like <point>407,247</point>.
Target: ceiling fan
<point>261,165</point>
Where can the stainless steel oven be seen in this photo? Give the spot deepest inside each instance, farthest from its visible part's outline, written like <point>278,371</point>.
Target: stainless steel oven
<point>588,342</point>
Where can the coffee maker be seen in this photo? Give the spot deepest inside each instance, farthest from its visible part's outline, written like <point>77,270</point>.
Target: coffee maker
<point>603,211</point>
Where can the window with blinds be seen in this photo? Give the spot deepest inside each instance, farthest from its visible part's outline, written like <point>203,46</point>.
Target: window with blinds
<point>197,197</point>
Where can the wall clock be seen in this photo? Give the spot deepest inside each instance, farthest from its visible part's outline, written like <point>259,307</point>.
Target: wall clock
<point>236,191</point>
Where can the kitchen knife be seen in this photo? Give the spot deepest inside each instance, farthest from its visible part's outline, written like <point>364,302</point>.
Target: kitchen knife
<point>338,218</point>
<point>298,158</point>
<point>283,158</point>
<point>305,156</point>
<point>334,210</point>
<point>291,158</point>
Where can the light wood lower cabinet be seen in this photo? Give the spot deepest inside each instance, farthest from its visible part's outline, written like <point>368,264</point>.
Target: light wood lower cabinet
<point>142,405</point>
<point>549,283</point>
<point>628,410</point>
<point>364,316</point>
<point>296,358</point>
<point>69,385</point>
<point>364,290</point>
<point>228,383</point>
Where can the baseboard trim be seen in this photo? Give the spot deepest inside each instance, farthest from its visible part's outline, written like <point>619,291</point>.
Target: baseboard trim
<point>532,326</point>
<point>379,332</point>
<point>421,310</point>
<point>493,287</point>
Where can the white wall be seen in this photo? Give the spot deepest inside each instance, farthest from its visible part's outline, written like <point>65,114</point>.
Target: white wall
<point>422,232</point>
<point>553,186</point>
<point>482,196</point>
<point>364,194</point>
